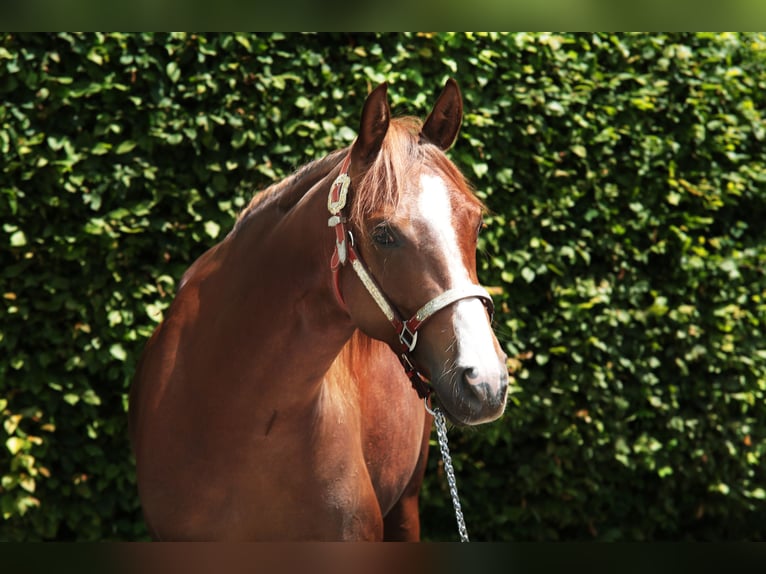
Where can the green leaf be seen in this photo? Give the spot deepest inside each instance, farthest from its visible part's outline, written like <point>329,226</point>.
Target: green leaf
<point>15,444</point>
<point>721,487</point>
<point>18,239</point>
<point>528,274</point>
<point>96,226</point>
<point>91,398</point>
<point>480,169</point>
<point>101,148</point>
<point>579,151</point>
<point>118,352</point>
<point>212,229</point>
<point>125,147</point>
<point>71,398</point>
<point>242,39</point>
<point>173,71</point>
<point>95,57</point>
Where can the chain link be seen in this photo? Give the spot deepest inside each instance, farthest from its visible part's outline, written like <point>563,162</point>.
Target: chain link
<point>441,433</point>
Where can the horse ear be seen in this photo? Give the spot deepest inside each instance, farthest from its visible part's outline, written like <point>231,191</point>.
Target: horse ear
<point>373,126</point>
<point>442,125</point>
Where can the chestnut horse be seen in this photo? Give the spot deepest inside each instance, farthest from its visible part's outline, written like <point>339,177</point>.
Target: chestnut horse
<point>271,402</point>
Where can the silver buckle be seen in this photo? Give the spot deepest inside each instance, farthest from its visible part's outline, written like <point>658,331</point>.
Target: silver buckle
<point>407,334</point>
<point>342,181</point>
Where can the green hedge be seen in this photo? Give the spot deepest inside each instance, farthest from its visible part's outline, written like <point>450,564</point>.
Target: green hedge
<point>625,177</point>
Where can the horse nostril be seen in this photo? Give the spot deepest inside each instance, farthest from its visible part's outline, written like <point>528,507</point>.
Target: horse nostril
<point>474,383</point>
<point>483,387</point>
<point>470,375</point>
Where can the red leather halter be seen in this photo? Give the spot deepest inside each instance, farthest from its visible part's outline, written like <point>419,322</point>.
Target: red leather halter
<point>406,330</point>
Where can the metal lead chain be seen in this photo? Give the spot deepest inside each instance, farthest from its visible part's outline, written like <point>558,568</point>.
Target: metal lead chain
<point>441,433</point>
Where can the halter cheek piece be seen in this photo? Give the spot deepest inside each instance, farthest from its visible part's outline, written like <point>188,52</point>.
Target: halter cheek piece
<point>407,331</point>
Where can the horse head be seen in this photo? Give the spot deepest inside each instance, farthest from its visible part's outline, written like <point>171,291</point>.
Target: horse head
<point>413,225</point>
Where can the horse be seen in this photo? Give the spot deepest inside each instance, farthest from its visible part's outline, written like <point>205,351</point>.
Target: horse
<point>281,397</point>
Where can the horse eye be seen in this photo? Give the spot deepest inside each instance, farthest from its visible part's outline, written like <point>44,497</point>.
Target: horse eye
<point>383,235</point>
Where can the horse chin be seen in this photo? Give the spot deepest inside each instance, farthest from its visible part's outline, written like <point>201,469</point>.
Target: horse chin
<point>462,413</point>
<point>455,420</point>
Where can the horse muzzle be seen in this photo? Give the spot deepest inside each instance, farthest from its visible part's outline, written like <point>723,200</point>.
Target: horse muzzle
<point>472,396</point>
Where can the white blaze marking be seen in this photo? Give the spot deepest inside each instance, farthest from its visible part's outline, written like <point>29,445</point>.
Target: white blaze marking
<point>436,210</point>
<point>476,346</point>
<point>472,331</point>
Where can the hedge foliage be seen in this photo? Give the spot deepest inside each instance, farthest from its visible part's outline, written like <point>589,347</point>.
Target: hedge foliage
<point>625,179</point>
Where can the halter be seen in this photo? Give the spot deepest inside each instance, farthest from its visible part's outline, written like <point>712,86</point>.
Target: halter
<point>406,330</point>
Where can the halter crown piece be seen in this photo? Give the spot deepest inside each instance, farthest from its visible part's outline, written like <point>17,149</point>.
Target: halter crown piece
<point>407,331</point>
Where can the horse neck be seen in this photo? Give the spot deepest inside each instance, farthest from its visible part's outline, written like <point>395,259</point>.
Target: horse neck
<point>282,259</point>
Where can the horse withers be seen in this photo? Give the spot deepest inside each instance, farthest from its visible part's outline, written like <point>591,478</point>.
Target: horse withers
<point>275,401</point>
